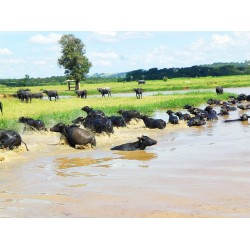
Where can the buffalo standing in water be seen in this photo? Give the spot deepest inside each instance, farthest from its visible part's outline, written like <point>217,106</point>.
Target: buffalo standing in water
<point>10,139</point>
<point>219,90</point>
<point>105,91</point>
<point>141,144</point>
<point>51,93</point>
<point>138,93</point>
<point>153,123</point>
<point>75,135</point>
<point>33,124</point>
<point>81,93</point>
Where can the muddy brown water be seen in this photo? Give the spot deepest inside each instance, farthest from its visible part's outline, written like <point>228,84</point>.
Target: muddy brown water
<point>191,172</point>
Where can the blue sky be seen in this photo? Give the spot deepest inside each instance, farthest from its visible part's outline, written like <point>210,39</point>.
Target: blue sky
<point>36,53</point>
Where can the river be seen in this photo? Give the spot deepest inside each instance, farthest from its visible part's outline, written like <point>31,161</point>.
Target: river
<point>191,172</point>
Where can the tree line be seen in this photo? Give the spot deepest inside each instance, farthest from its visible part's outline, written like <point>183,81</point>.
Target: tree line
<point>194,71</point>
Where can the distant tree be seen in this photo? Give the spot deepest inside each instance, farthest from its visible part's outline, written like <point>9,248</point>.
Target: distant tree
<point>131,78</point>
<point>73,58</point>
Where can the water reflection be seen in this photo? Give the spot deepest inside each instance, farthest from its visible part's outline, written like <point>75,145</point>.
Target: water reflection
<point>65,162</point>
<point>136,155</point>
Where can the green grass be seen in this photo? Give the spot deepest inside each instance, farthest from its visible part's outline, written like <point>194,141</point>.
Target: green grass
<point>157,85</point>
<point>65,110</point>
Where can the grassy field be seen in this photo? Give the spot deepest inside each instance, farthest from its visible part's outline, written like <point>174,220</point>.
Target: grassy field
<point>157,85</point>
<point>65,110</point>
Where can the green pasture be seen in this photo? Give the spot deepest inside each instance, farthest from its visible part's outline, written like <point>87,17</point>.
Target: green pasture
<point>156,85</point>
<point>65,110</point>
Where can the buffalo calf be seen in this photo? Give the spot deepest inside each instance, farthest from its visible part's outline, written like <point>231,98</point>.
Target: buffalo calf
<point>143,142</point>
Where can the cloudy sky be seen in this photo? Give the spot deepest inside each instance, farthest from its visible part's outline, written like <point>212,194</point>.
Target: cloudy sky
<point>36,53</point>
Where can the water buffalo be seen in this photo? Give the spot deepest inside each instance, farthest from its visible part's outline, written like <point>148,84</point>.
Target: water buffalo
<point>138,93</point>
<point>118,121</point>
<point>104,91</point>
<point>51,93</point>
<point>81,93</point>
<point>10,139</point>
<point>128,115</point>
<point>214,101</point>
<point>141,82</point>
<point>172,118</point>
<point>244,107</point>
<point>181,116</point>
<point>24,95</point>
<point>153,123</point>
<point>223,111</point>
<point>98,124</point>
<point>242,118</point>
<point>1,107</point>
<point>92,112</point>
<point>37,95</point>
<point>212,115</point>
<point>196,121</point>
<point>33,124</point>
<point>74,134</point>
<point>143,142</point>
<point>219,90</point>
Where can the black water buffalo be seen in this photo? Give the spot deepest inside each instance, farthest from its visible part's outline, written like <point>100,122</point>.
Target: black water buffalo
<point>219,90</point>
<point>81,93</point>
<point>37,95</point>
<point>223,111</point>
<point>153,123</point>
<point>196,111</point>
<point>105,91</point>
<point>99,124</point>
<point>92,112</point>
<point>141,82</point>
<point>24,95</point>
<point>196,121</point>
<point>242,118</point>
<point>117,121</point>
<point>143,142</point>
<point>33,124</point>
<point>244,107</point>
<point>212,114</point>
<point>172,118</point>
<point>128,115</point>
<point>1,107</point>
<point>138,93</point>
<point>74,134</point>
<point>181,116</point>
<point>52,93</point>
<point>214,101</point>
<point>10,139</point>
<point>241,97</point>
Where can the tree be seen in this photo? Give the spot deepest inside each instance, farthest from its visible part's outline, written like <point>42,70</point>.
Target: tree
<point>74,61</point>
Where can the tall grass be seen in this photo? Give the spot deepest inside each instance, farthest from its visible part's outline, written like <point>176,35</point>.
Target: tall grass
<point>65,110</point>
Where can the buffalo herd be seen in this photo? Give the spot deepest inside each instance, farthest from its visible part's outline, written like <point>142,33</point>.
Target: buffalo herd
<point>96,121</point>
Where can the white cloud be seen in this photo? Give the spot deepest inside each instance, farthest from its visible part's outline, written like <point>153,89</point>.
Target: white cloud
<point>13,61</point>
<point>40,62</point>
<point>106,55</point>
<point>199,43</point>
<point>102,62</point>
<point>221,40</point>
<point>42,39</point>
<point>4,51</point>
